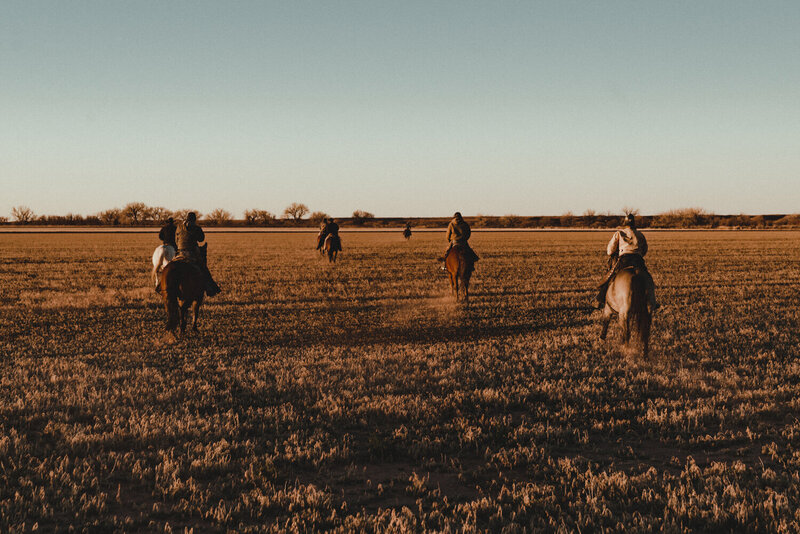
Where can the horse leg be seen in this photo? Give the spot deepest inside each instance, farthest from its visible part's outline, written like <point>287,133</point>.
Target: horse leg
<point>452,283</point>
<point>606,322</point>
<point>644,332</point>
<point>625,322</point>
<point>184,315</point>
<point>195,314</point>
<point>173,313</point>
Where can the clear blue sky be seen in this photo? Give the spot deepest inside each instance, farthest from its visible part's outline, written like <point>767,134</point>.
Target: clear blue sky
<point>402,108</point>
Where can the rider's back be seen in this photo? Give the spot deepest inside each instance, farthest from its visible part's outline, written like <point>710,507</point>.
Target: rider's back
<point>458,232</point>
<point>627,241</point>
<point>187,237</point>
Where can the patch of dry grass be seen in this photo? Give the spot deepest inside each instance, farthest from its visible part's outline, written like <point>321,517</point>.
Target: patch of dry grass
<point>359,396</point>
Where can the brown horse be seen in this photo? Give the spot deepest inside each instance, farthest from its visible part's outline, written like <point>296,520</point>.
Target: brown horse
<point>182,285</point>
<point>459,264</point>
<point>627,297</point>
<point>407,233</point>
<point>332,246</point>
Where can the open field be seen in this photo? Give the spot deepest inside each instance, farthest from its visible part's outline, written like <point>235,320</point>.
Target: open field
<point>360,396</point>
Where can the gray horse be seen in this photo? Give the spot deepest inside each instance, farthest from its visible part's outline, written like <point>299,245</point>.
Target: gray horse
<point>627,297</point>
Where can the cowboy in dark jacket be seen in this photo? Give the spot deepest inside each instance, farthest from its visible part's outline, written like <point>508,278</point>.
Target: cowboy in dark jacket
<point>187,236</point>
<point>458,234</point>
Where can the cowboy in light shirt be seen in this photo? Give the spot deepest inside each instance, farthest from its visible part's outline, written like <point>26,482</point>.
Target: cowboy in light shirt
<point>627,249</point>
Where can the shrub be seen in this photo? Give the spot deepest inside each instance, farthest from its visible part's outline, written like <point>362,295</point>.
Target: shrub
<point>259,217</point>
<point>219,217</point>
<point>361,216</point>
<point>318,216</point>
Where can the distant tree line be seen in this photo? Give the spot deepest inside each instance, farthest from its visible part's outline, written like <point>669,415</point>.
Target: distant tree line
<point>298,214</point>
<point>140,214</point>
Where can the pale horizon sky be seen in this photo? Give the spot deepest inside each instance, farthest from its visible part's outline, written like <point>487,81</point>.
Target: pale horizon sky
<point>412,108</point>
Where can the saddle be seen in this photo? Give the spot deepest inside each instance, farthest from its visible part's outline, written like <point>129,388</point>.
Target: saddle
<point>467,251</point>
<point>628,262</point>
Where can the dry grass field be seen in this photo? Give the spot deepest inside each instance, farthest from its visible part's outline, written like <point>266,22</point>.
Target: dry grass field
<point>359,396</point>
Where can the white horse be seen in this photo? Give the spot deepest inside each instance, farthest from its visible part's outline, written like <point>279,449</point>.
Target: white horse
<point>161,257</point>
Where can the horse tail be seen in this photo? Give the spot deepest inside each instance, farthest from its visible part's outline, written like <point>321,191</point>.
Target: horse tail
<point>639,314</point>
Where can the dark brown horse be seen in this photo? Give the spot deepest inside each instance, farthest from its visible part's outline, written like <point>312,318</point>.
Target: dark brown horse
<point>407,233</point>
<point>332,246</point>
<point>627,297</point>
<point>182,285</point>
<point>460,264</point>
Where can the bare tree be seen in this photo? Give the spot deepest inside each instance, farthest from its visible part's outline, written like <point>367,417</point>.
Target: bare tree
<point>23,214</point>
<point>256,216</point>
<point>158,214</point>
<point>295,211</point>
<point>361,216</point>
<point>219,217</point>
<point>134,212</point>
<point>317,216</point>
<point>109,217</point>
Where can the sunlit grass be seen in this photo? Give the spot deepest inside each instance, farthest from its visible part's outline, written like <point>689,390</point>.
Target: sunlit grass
<point>360,396</point>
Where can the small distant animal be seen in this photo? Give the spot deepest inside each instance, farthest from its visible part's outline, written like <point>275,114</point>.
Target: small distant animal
<point>459,265</point>
<point>627,298</point>
<point>332,246</point>
<point>407,233</point>
<point>182,285</point>
<point>162,255</point>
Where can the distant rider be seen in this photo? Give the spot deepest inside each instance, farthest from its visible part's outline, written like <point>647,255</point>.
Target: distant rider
<point>627,249</point>
<point>167,234</point>
<point>458,233</point>
<point>407,230</point>
<point>188,235</point>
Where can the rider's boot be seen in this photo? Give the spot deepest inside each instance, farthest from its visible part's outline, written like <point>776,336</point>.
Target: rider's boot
<point>600,299</point>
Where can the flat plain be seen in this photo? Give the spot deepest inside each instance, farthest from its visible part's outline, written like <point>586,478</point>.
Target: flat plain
<point>360,396</point>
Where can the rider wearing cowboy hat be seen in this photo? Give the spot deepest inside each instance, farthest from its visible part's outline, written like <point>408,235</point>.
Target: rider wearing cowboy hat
<point>627,249</point>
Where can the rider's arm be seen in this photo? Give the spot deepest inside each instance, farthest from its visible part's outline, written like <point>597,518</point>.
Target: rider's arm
<point>642,244</point>
<point>200,235</point>
<point>613,245</point>
<point>467,231</point>
<point>449,232</point>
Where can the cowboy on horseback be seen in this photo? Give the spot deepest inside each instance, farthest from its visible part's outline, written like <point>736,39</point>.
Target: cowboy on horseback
<point>323,233</point>
<point>167,234</point>
<point>187,235</point>
<point>458,234</point>
<point>332,230</point>
<point>627,249</point>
